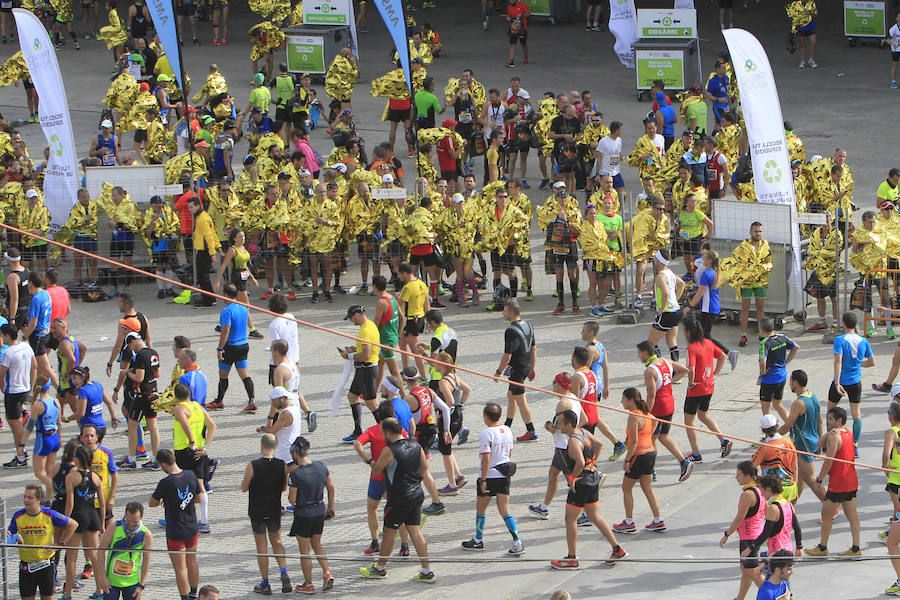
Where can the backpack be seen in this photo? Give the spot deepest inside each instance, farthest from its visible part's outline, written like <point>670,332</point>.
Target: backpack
<point>501,295</point>
<point>744,170</point>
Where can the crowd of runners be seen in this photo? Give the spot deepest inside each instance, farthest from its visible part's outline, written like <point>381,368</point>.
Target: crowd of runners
<point>293,218</point>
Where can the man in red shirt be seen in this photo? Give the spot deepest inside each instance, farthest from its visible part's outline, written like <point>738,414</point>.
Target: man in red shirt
<point>701,385</point>
<point>375,438</point>
<point>517,13</point>
<point>59,296</point>
<point>448,155</point>
<point>186,217</point>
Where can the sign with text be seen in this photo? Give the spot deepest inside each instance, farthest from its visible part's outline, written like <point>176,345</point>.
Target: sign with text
<point>661,23</point>
<point>327,12</point>
<point>539,8</point>
<point>305,54</point>
<point>175,189</point>
<point>389,193</point>
<point>667,65</point>
<point>865,19</point>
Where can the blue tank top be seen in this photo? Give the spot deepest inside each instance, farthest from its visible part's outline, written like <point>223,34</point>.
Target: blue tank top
<point>805,429</point>
<point>92,392</point>
<point>163,112</point>
<point>46,423</point>
<point>597,365</point>
<point>109,159</point>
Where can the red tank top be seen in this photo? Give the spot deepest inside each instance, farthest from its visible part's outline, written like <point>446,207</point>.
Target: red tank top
<point>842,476</point>
<point>589,396</point>
<point>423,395</point>
<point>664,403</point>
<point>714,171</point>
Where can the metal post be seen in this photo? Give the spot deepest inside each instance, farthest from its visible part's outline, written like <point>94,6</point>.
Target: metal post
<point>630,314</point>
<point>3,553</point>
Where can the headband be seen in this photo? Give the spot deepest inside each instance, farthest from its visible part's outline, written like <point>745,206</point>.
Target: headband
<point>658,256</point>
<point>11,258</point>
<point>390,387</point>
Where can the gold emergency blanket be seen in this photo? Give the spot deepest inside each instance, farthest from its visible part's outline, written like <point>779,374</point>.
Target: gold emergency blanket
<point>13,69</point>
<point>341,78</point>
<point>276,10</point>
<point>270,38</point>
<point>34,220</point>
<point>687,99</point>
<point>796,148</point>
<point>186,161</point>
<point>549,111</point>
<point>652,168</point>
<point>669,172</point>
<point>137,114</point>
<point>393,84</point>
<point>729,140</point>
<point>873,254</point>
<point>113,34</point>
<point>476,90</point>
<point>593,244</point>
<point>647,235</point>
<point>166,224</point>
<point>126,212</point>
<point>122,92</point>
<point>801,12</point>
<point>747,267</point>
<point>820,255</point>
<point>215,84</point>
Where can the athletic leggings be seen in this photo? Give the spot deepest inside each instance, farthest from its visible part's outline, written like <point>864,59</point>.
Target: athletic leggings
<point>706,321</point>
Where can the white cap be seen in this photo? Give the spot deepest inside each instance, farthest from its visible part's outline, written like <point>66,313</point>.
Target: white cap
<point>106,123</point>
<point>767,421</point>
<point>339,167</point>
<point>558,185</point>
<point>895,390</point>
<point>387,178</point>
<point>31,193</point>
<point>304,172</point>
<point>278,392</point>
<point>458,198</point>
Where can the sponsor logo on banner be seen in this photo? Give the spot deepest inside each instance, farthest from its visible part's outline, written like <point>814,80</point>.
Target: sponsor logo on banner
<point>622,26</point>
<point>391,12</point>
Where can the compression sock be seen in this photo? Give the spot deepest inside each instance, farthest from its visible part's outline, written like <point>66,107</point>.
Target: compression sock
<point>140,436</point>
<point>513,286</point>
<point>248,385</point>
<point>483,264</point>
<point>223,387</point>
<point>460,291</point>
<point>204,509</point>
<point>495,282</point>
<point>159,282</point>
<point>479,526</point>
<point>656,350</point>
<point>573,287</point>
<point>511,526</point>
<point>433,288</point>
<point>473,285</point>
<point>857,430</point>
<point>674,353</point>
<point>529,427</point>
<point>337,277</point>
<point>560,290</point>
<point>356,409</point>
<point>508,422</point>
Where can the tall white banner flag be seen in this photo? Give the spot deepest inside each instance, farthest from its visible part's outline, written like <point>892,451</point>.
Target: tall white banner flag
<point>765,127</point>
<point>622,25</point>
<point>684,4</point>
<point>61,178</point>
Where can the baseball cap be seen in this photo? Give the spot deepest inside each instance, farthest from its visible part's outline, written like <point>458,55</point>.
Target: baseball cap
<point>458,198</point>
<point>31,194</point>
<point>106,123</point>
<point>283,176</point>
<point>450,123</point>
<point>767,421</point>
<point>132,335</point>
<point>304,172</point>
<point>163,78</point>
<point>387,178</point>
<point>339,167</point>
<point>259,78</point>
<point>207,119</point>
<point>278,392</point>
<point>562,380</point>
<point>353,309</point>
<point>145,87</point>
<point>687,133</point>
<point>887,204</point>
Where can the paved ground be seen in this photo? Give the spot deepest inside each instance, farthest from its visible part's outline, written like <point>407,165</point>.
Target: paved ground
<point>827,110</point>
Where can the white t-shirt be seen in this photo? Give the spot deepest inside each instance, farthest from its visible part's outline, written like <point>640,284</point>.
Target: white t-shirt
<point>281,328</point>
<point>498,442</point>
<point>17,359</point>
<point>561,440</point>
<point>894,34</point>
<point>660,143</point>
<point>612,156</point>
<point>286,435</point>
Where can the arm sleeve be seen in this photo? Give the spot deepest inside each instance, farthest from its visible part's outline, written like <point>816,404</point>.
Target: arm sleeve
<point>798,534</point>
<point>445,411</point>
<point>770,528</point>
<point>435,344</point>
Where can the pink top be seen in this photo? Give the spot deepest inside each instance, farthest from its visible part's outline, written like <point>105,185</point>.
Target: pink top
<point>310,163</point>
<point>59,302</point>
<point>782,539</point>
<point>752,526</point>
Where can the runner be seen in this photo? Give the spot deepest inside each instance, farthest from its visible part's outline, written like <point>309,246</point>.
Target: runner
<point>443,340</point>
<point>234,345</point>
<point>286,422</point>
<point>519,358</point>
<point>36,525</point>
<point>141,380</point>
<point>46,421</point>
<point>18,368</point>
<point>69,354</point>
<point>193,432</point>
<point>659,374</point>
<point>103,464</point>
<point>414,297</point>
<point>37,328</point>
<point>365,361</point>
<point>283,327</point>
<point>780,521</point>
<point>639,462</point>
<point>584,485</point>
<point>390,321</point>
<point>237,258</point>
<point>776,350</point>
<point>669,288</point>
<point>497,468</point>
<point>708,278</point>
<point>585,386</point>
<point>600,369</point>
<point>126,568</point>
<point>777,456</point>
<point>403,463</point>
<point>18,297</point>
<point>852,352</point>
<point>842,483</point>
<point>308,481</point>
<point>781,565</point>
<point>890,458</point>
<point>701,386</point>
<point>806,426</point>
<point>178,492</point>
<point>455,393</point>
<point>748,523</point>
<point>422,402</point>
<point>83,488</point>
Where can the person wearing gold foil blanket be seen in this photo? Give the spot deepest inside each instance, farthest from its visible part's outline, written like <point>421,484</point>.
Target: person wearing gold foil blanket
<point>341,77</point>
<point>889,223</point>
<point>648,152</point>
<point>820,259</point>
<point>505,230</point>
<point>802,14</point>
<point>869,253</point>
<point>560,218</point>
<point>82,226</point>
<point>160,231</point>
<point>648,231</point>
<point>124,220</point>
<point>748,270</point>
<point>323,217</point>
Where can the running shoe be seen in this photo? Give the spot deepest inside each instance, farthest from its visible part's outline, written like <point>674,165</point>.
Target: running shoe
<point>249,409</point>
<point>373,572</point>
<point>492,306</point>
<point>213,465</point>
<point>125,465</point>
<point>363,290</point>
<point>437,304</point>
<point>517,548</point>
<point>743,341</point>
<point>215,405</point>
<point>306,588</point>
<point>1,425</point>
<point>883,536</point>
<point>565,563</point>
<point>733,358</point>
<point>850,553</point>
<point>448,490</point>
<point>576,310</point>
<point>540,513</point>
<point>204,528</point>
<point>292,295</point>
<point>435,508</point>
<point>351,438</point>
<point>263,588</point>
<point>882,387</point>
<point>894,590</point>
<point>525,185</point>
<point>424,576</point>
<point>625,527</point>
<point>510,64</point>
<point>726,447</point>
<point>473,545</point>
<point>151,465</point>
<point>525,60</point>
<point>870,331</point>
<point>618,450</point>
<point>374,548</point>
<point>15,463</point>
<point>404,550</point>
<point>686,468</point>
<point>96,595</point>
<point>893,87</point>
<point>816,550</point>
<point>637,302</point>
<point>267,294</point>
<point>86,572</point>
<point>216,42</point>
<point>461,481</point>
<point>312,421</point>
<point>254,334</point>
<point>77,46</point>
<point>616,555</point>
<point>656,526</point>
<point>890,332</point>
<point>327,582</point>
<point>802,64</point>
<point>695,458</point>
<point>819,326</point>
<point>463,436</point>
<point>583,521</point>
<point>560,309</point>
<point>528,436</point>
<point>596,312</point>
<point>812,63</point>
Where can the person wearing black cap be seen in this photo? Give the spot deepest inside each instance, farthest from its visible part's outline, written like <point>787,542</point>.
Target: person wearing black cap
<point>365,363</point>
<point>161,227</point>
<point>222,151</point>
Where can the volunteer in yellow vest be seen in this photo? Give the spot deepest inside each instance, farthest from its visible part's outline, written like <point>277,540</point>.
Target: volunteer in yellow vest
<point>190,422</point>
<point>126,567</point>
<point>414,298</point>
<point>34,526</point>
<point>890,458</point>
<point>365,364</point>
<point>694,228</point>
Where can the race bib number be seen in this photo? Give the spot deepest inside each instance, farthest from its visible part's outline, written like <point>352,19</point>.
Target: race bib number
<point>34,567</point>
<point>122,568</point>
<point>245,274</point>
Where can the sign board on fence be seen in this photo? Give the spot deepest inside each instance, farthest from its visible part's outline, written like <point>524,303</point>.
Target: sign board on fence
<point>661,23</point>
<point>810,218</point>
<point>176,189</point>
<point>389,193</point>
<point>539,8</point>
<point>667,65</point>
<point>327,12</point>
<point>306,54</point>
<point>865,19</point>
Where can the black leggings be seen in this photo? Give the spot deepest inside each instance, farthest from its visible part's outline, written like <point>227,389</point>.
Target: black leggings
<point>706,321</point>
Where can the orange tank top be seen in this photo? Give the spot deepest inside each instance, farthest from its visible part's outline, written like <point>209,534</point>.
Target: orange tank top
<point>644,435</point>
